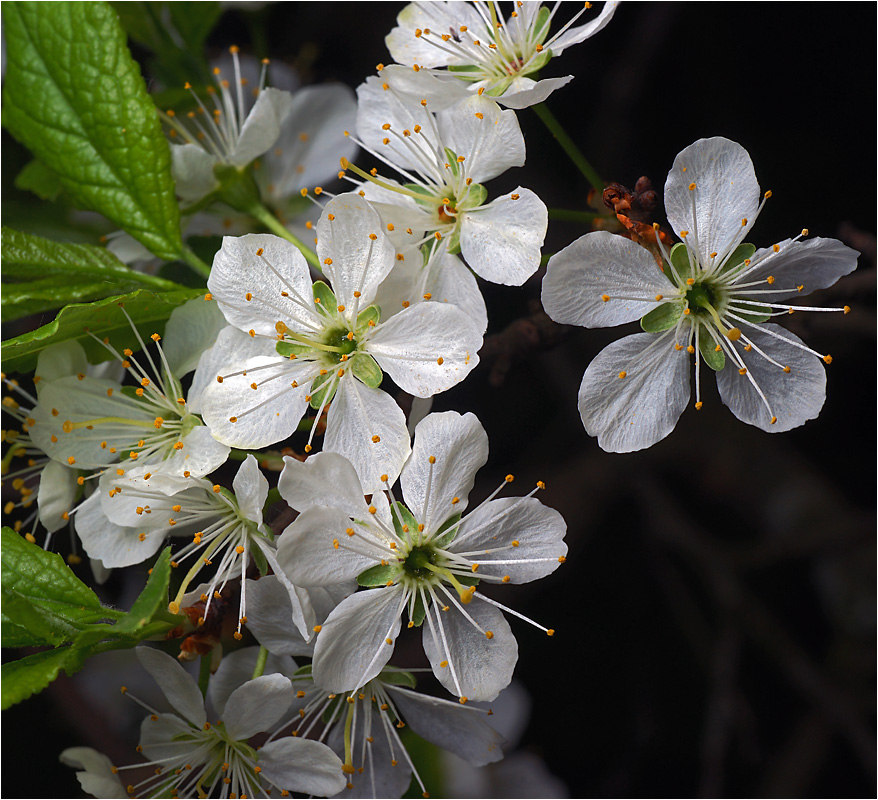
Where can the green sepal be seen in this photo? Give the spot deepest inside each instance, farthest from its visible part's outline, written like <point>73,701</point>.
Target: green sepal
<point>259,558</point>
<point>446,533</point>
<point>466,72</point>
<point>326,296</point>
<point>403,517</point>
<point>420,190</point>
<point>366,369</point>
<point>680,260</point>
<point>367,315</point>
<point>452,246</point>
<point>540,61</point>
<point>323,390</point>
<point>419,612</point>
<point>397,677</point>
<point>540,25</point>
<point>453,165</point>
<point>287,349</point>
<point>378,575</point>
<point>752,311</point>
<point>475,196</point>
<point>739,255</point>
<point>662,317</point>
<point>303,672</point>
<point>715,359</point>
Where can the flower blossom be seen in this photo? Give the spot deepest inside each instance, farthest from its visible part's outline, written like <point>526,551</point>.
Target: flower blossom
<point>458,47</point>
<point>712,298</point>
<point>444,158</point>
<point>423,558</point>
<point>292,344</point>
<point>192,757</point>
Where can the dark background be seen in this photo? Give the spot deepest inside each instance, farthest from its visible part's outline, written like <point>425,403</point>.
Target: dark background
<point>716,616</point>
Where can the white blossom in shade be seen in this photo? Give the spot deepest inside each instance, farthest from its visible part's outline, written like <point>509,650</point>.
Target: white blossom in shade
<point>456,47</point>
<point>192,757</point>
<point>292,344</point>
<point>97,424</point>
<point>422,557</point>
<point>711,298</point>
<point>443,159</point>
<point>97,776</point>
<point>229,130</point>
<point>141,511</point>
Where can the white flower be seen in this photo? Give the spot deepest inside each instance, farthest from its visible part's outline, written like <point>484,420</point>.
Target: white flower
<point>292,344</point>
<point>444,158</point>
<point>143,510</point>
<point>471,45</point>
<point>97,775</point>
<point>426,560</point>
<point>192,757</point>
<point>711,299</point>
<point>233,132</point>
<point>94,423</point>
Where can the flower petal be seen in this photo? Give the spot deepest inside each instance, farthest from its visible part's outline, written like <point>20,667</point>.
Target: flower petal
<point>303,766</point>
<point>262,126</point>
<point>486,537</point>
<point>257,705</point>
<point>56,495</point>
<point>191,329</point>
<point>483,667</point>
<point>726,193</point>
<point>192,168</point>
<point>111,544</point>
<point>459,445</point>
<point>236,669</point>
<point>407,48</point>
<point>176,684</point>
<point>794,397</point>
<point>97,777</point>
<point>323,479</point>
<point>367,427</point>
<point>501,241</point>
<point>59,361</point>
<point>636,411</point>
<point>426,348</point>
<point>600,265</point>
<point>352,646</point>
<point>580,33</point>
<point>251,489</point>
<point>461,729</point>
<point>524,92</point>
<point>160,736</point>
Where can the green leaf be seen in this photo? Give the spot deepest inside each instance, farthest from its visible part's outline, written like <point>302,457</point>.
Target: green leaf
<point>31,674</point>
<point>662,317</point>
<point>75,97</point>
<point>36,177</point>
<point>148,310</point>
<point>713,357</point>
<point>42,596</point>
<point>378,575</point>
<point>366,369</point>
<point>40,275</point>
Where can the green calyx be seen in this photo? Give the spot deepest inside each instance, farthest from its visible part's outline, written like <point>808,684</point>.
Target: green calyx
<point>418,562</point>
<point>702,298</point>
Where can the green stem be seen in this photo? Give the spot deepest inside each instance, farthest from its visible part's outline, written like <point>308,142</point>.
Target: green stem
<point>271,222</point>
<point>195,262</point>
<point>204,674</point>
<point>548,118</point>
<point>259,669</point>
<point>568,215</point>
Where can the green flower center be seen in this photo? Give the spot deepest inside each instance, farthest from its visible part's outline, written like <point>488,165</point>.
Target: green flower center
<point>418,562</point>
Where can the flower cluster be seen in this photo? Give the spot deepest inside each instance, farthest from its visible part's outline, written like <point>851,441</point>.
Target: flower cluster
<point>340,347</point>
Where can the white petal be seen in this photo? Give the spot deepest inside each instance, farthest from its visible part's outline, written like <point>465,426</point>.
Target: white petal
<point>501,241</point>
<point>176,684</point>
<point>440,90</point>
<point>358,262</point>
<point>191,329</point>
<point>308,554</point>
<point>426,348</point>
<point>257,705</point>
<point>597,265</point>
<point>580,33</point>
<point>795,397</point>
<point>302,765</point>
<point>200,454</point>
<point>538,529</point>
<point>488,137</point>
<point>251,489</point>
<point>262,126</point>
<point>236,669</point>
<point>98,778</point>
<point>368,428</point>
<point>114,545</point>
<point>726,192</point>
<point>636,411</point>
<point>460,446</point>
<point>258,423</point>
<point>192,168</point>
<point>524,93</point>
<point>813,264</point>
<point>270,620</point>
<point>59,361</point>
<point>483,666</point>
<point>323,479</point>
<point>311,141</point>
<point>160,736</point>
<point>406,48</point>
<point>463,730</point>
<point>56,495</point>
<point>237,271</point>
<point>352,647</point>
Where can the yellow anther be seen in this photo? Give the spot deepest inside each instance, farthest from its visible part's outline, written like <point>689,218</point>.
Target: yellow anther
<point>827,359</point>
<point>742,371</point>
<point>659,297</point>
<point>605,297</point>
<point>317,628</point>
<point>622,374</point>
<point>376,439</point>
<point>489,634</point>
<point>691,187</point>
<point>550,632</point>
<point>787,370</point>
<point>733,334</point>
<point>698,405</point>
<point>770,278</point>
<point>690,349</point>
